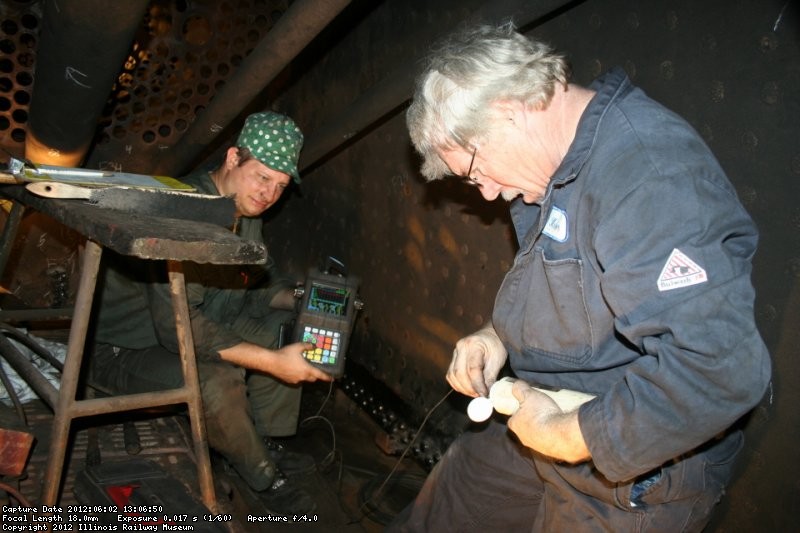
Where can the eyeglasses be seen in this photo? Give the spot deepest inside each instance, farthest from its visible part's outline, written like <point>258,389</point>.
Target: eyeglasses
<point>468,175</point>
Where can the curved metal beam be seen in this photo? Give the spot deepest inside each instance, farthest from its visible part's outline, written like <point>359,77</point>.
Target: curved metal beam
<point>294,30</point>
<point>395,89</point>
<point>79,57</point>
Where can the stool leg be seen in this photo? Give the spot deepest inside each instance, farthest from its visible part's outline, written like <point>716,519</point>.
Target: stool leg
<point>189,363</point>
<point>10,232</point>
<point>72,369</point>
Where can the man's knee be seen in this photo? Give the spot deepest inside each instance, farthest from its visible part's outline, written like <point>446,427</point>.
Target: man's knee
<point>222,386</point>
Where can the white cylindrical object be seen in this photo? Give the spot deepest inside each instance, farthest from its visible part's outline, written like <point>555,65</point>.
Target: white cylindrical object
<point>567,400</point>
<point>479,409</point>
<point>502,398</point>
<point>505,402</point>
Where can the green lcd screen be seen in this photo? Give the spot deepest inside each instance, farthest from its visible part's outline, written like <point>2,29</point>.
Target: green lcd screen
<point>327,299</point>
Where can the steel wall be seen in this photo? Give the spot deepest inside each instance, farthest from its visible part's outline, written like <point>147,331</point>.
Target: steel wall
<point>431,256</point>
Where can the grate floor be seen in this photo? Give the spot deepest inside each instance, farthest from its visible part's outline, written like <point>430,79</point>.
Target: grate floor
<point>351,468</point>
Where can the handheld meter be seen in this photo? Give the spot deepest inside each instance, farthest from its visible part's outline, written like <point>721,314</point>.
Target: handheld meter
<point>327,312</point>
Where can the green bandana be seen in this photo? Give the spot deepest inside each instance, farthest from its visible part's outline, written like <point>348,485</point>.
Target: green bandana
<point>273,139</point>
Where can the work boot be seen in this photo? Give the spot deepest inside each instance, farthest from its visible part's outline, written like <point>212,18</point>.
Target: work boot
<point>288,461</point>
<point>284,498</point>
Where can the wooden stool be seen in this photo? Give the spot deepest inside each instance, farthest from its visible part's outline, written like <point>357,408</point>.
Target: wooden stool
<point>146,237</point>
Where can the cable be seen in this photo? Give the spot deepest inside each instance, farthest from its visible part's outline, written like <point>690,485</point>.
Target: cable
<point>379,491</point>
<point>15,494</point>
<point>332,455</point>
<point>25,338</point>
<point>333,436</point>
<point>408,482</point>
<point>328,459</point>
<point>321,407</point>
<point>12,394</point>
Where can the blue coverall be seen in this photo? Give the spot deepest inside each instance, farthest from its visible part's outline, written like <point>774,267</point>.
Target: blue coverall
<point>632,283</point>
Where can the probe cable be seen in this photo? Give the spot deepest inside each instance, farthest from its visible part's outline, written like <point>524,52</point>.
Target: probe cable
<point>379,490</point>
<point>332,454</point>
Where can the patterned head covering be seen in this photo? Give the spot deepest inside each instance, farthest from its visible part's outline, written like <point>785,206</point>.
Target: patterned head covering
<point>273,139</point>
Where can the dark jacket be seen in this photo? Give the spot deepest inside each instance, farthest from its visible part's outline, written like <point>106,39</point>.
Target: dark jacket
<point>632,282</point>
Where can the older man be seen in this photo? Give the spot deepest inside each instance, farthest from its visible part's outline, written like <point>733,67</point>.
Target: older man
<point>249,386</point>
<point>631,283</point>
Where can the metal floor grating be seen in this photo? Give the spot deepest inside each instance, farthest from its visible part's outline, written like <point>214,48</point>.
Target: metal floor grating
<point>340,486</point>
<point>163,439</point>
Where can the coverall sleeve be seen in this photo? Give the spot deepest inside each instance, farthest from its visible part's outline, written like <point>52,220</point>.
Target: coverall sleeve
<point>268,281</point>
<point>703,362</point>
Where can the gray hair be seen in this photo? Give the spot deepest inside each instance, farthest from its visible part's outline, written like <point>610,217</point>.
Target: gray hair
<point>464,74</point>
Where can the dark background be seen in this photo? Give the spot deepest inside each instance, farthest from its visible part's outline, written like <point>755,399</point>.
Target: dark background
<point>432,256</point>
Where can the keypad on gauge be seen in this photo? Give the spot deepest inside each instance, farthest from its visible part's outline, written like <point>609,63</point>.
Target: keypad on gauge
<point>326,345</point>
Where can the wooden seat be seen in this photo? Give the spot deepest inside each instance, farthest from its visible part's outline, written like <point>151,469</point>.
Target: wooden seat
<point>147,237</point>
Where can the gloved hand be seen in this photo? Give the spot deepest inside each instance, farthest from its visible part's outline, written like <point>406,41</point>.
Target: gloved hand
<point>543,420</point>
<point>503,400</point>
<point>477,359</point>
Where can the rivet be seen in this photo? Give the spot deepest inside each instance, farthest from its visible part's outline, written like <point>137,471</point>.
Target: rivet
<point>717,91</point>
<point>672,20</point>
<point>749,139</point>
<point>796,164</point>
<point>770,93</point>
<point>667,70</point>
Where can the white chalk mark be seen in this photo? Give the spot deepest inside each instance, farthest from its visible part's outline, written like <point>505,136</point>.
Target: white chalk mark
<point>780,17</point>
<point>72,73</point>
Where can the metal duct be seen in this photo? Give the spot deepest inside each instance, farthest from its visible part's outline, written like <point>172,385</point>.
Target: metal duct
<point>397,87</point>
<point>296,28</point>
<point>83,44</point>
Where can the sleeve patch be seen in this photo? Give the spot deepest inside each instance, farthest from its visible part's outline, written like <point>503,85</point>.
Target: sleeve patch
<point>680,271</point>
